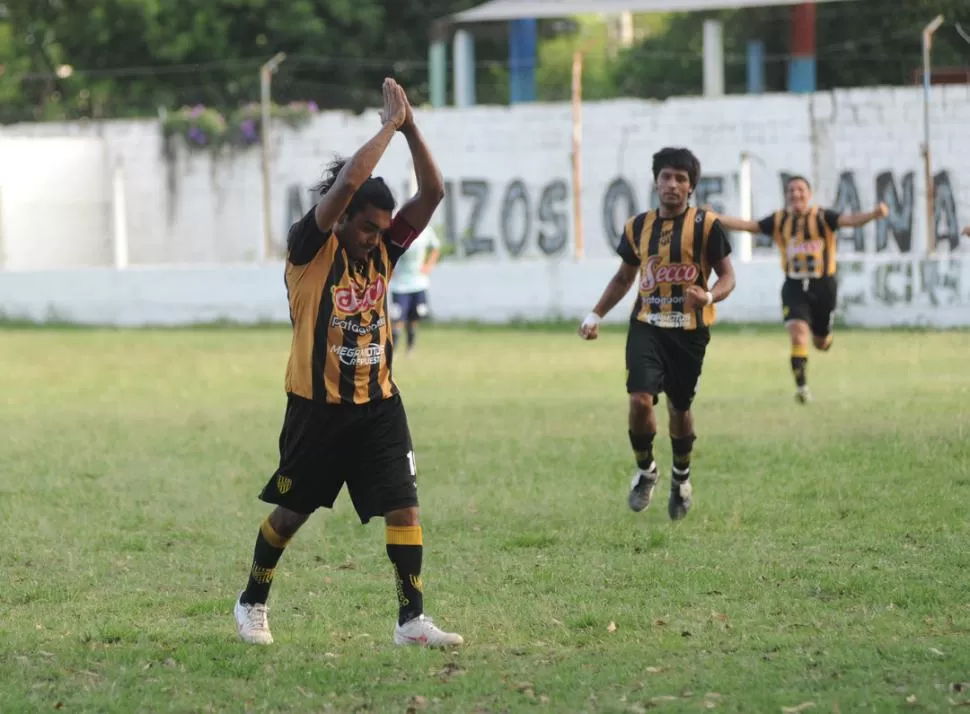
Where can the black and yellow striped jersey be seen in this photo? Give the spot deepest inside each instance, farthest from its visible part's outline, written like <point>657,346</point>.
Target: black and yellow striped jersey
<point>341,349</point>
<point>673,253</point>
<point>807,241</point>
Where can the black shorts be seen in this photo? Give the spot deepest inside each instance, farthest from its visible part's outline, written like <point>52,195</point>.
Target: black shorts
<point>812,301</point>
<point>409,306</point>
<point>667,360</point>
<point>323,446</point>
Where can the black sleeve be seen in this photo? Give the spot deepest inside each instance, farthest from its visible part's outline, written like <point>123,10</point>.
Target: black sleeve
<point>305,239</point>
<point>625,248</point>
<point>718,245</point>
<point>767,225</point>
<point>831,219</point>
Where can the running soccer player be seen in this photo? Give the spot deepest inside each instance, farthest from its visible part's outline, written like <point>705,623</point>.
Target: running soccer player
<point>673,249</point>
<point>806,237</point>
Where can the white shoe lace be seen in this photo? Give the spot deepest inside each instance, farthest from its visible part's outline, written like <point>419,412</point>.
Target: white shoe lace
<point>256,617</point>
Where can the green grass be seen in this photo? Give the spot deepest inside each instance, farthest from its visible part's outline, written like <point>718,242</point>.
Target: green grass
<point>825,561</point>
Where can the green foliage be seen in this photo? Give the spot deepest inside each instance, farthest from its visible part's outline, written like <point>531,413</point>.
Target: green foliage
<point>857,44</point>
<point>133,57</point>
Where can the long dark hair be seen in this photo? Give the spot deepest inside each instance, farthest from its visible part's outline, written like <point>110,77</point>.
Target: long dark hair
<point>374,192</point>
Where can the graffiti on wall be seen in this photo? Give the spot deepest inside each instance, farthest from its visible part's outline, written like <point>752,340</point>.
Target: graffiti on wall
<point>927,283</point>
<point>899,197</point>
<point>481,217</point>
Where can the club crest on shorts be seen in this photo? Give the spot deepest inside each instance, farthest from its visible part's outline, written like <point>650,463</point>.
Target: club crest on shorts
<point>283,483</point>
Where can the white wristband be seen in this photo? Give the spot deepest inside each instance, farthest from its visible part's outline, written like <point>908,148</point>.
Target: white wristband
<point>710,297</point>
<point>592,319</point>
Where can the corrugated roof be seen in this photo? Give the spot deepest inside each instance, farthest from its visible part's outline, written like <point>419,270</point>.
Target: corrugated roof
<point>501,10</point>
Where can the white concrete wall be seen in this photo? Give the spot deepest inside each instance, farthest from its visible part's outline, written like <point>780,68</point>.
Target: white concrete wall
<point>508,209</point>
<point>55,203</point>
<point>857,146</point>
<point>873,292</point>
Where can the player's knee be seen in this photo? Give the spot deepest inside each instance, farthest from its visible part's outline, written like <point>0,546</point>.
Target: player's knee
<point>286,522</point>
<point>641,403</point>
<point>822,343</point>
<point>403,517</point>
<point>681,421</point>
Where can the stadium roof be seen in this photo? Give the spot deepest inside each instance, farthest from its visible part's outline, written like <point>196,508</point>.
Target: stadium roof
<point>501,10</point>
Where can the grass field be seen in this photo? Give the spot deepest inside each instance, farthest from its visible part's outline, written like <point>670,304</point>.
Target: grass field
<point>825,562</point>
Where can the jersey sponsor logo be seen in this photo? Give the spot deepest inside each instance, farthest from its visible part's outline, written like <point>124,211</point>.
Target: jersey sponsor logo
<point>661,300</point>
<point>365,355</point>
<point>355,327</point>
<point>668,319</point>
<point>674,273</point>
<point>353,300</point>
<point>805,247</point>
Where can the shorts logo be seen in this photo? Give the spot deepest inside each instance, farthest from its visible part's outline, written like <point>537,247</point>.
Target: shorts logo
<point>354,300</point>
<point>365,355</point>
<point>355,327</point>
<point>655,274</point>
<point>283,483</point>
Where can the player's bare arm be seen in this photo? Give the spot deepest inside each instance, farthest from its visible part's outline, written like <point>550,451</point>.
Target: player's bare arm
<point>696,297</point>
<point>966,231</point>
<point>618,286</point>
<point>738,224</point>
<point>360,166</point>
<point>854,220</point>
<point>432,260</point>
<point>431,184</point>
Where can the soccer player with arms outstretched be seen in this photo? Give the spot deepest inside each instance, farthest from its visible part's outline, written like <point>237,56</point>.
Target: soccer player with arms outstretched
<point>345,422</point>
<point>673,250</point>
<point>806,236</point>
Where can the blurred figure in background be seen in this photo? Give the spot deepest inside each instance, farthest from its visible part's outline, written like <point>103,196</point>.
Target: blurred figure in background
<point>807,238</point>
<point>410,283</point>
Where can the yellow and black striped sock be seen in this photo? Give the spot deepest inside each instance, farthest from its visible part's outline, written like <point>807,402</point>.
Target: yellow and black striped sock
<point>681,448</point>
<point>268,551</point>
<point>642,448</point>
<point>799,364</point>
<point>405,548</point>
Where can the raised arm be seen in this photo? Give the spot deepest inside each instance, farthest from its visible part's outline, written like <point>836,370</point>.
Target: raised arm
<point>853,220</point>
<point>417,212</point>
<point>739,224</point>
<point>360,166</point>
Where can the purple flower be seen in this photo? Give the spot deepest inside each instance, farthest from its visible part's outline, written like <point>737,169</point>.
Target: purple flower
<point>312,106</point>
<point>197,135</point>
<point>248,128</point>
<point>196,110</point>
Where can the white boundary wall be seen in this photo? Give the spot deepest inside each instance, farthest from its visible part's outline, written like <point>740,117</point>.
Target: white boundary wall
<point>191,223</point>
<point>875,293</point>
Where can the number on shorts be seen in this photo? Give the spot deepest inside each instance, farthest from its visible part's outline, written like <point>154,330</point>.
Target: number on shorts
<point>411,464</point>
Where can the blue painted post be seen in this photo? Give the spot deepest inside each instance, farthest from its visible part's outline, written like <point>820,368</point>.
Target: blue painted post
<point>756,67</point>
<point>522,61</point>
